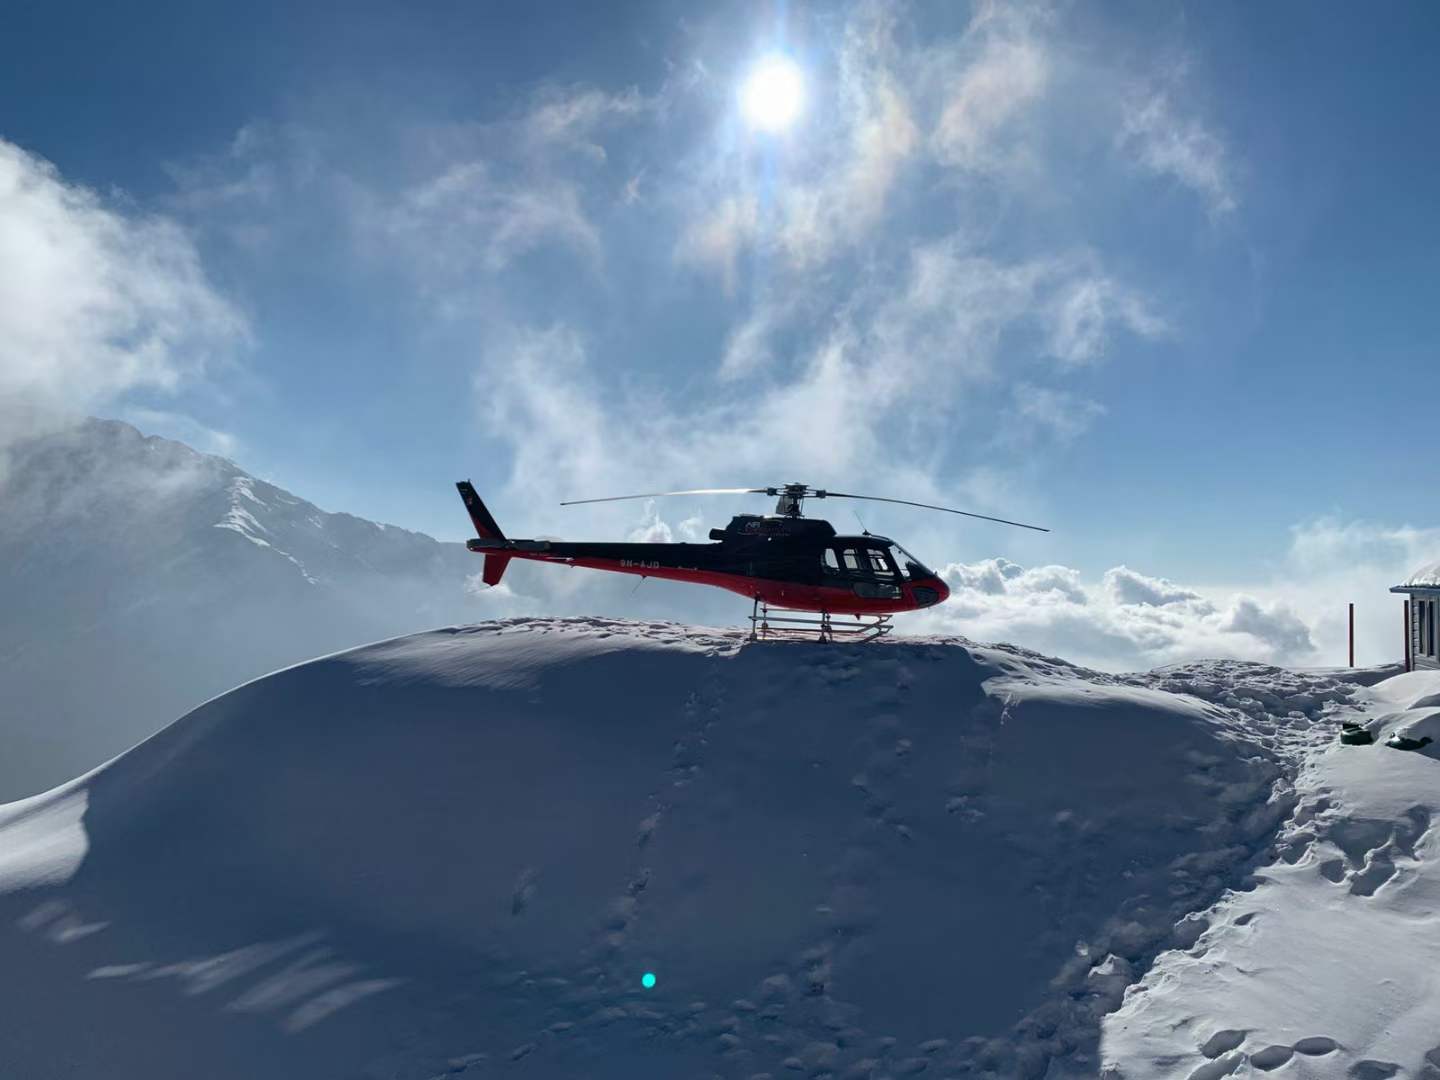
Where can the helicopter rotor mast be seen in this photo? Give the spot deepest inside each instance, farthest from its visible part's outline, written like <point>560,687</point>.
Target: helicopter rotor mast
<point>792,496</point>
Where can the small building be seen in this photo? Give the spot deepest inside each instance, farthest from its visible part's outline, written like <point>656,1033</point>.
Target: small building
<point>1423,588</point>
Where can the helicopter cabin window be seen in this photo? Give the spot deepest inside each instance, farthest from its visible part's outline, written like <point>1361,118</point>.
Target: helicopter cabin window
<point>852,562</point>
<point>866,562</point>
<point>880,563</point>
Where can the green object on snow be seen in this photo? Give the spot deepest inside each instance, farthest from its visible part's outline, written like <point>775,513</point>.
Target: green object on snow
<point>1355,735</point>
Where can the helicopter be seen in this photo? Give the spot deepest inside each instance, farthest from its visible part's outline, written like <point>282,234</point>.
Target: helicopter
<point>782,561</point>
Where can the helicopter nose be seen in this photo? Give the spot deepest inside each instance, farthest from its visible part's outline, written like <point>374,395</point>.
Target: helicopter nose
<point>931,591</point>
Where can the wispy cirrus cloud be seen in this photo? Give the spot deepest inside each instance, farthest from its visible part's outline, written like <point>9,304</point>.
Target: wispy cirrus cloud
<point>1006,72</point>
<point>958,303</point>
<point>1085,310</point>
<point>530,181</point>
<point>572,118</point>
<point>717,241</point>
<point>1059,413</point>
<point>1173,144</point>
<point>469,218</point>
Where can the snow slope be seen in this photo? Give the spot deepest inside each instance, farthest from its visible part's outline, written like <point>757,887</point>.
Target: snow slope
<point>455,854</point>
<point>1330,967</point>
<point>140,577</point>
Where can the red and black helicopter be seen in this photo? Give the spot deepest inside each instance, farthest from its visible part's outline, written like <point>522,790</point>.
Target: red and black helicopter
<point>783,560</point>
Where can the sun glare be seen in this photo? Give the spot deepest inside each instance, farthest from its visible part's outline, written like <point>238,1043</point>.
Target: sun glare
<point>773,94</point>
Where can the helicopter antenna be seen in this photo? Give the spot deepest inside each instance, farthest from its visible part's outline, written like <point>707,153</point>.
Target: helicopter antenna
<point>791,496</point>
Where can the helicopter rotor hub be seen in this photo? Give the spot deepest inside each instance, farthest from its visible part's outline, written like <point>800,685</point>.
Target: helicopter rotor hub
<point>791,498</point>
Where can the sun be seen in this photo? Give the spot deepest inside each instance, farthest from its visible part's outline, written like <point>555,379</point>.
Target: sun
<point>774,94</point>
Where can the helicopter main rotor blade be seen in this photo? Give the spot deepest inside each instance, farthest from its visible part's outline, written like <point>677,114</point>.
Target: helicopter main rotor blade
<point>927,506</point>
<point>662,494</point>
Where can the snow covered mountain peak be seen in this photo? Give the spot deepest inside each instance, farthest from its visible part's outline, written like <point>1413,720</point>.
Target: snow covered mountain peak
<point>168,576</point>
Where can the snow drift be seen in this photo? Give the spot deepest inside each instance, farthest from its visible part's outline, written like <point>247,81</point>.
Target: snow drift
<point>456,854</point>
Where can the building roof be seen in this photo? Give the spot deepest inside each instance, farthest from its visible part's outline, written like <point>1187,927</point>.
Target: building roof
<point>1426,578</point>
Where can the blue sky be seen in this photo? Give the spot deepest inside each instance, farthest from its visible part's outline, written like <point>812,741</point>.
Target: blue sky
<point>1160,276</point>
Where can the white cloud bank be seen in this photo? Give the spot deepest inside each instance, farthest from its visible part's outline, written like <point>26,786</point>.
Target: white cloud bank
<point>1125,620</point>
<point>95,300</point>
<point>1295,614</point>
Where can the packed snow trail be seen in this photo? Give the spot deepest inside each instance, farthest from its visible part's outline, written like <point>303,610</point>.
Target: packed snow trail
<point>1330,966</point>
<point>455,854</point>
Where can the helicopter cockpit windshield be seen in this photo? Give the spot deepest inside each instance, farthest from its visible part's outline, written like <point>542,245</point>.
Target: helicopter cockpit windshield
<point>882,560</point>
<point>910,566</point>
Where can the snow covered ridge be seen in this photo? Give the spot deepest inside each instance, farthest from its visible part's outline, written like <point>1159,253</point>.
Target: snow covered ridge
<point>240,520</point>
<point>457,853</point>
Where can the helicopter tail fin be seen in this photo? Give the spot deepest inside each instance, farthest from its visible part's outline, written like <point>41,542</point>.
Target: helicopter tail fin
<point>494,568</point>
<point>485,526</point>
<point>486,529</point>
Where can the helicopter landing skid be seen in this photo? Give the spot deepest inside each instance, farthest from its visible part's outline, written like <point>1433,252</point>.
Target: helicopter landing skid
<point>767,626</point>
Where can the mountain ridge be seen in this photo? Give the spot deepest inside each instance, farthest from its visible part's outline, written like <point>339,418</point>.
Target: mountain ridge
<point>169,575</point>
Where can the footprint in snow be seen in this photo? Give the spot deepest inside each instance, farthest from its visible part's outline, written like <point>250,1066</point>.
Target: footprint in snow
<point>1222,1042</point>
<point>1272,1057</point>
<point>1370,1069</point>
<point>1379,868</point>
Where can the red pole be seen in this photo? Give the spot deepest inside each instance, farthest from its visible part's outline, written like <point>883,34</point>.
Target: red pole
<point>1352,635</point>
<point>1407,635</point>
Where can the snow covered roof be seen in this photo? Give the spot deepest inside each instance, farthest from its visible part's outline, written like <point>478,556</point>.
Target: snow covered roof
<point>1427,577</point>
